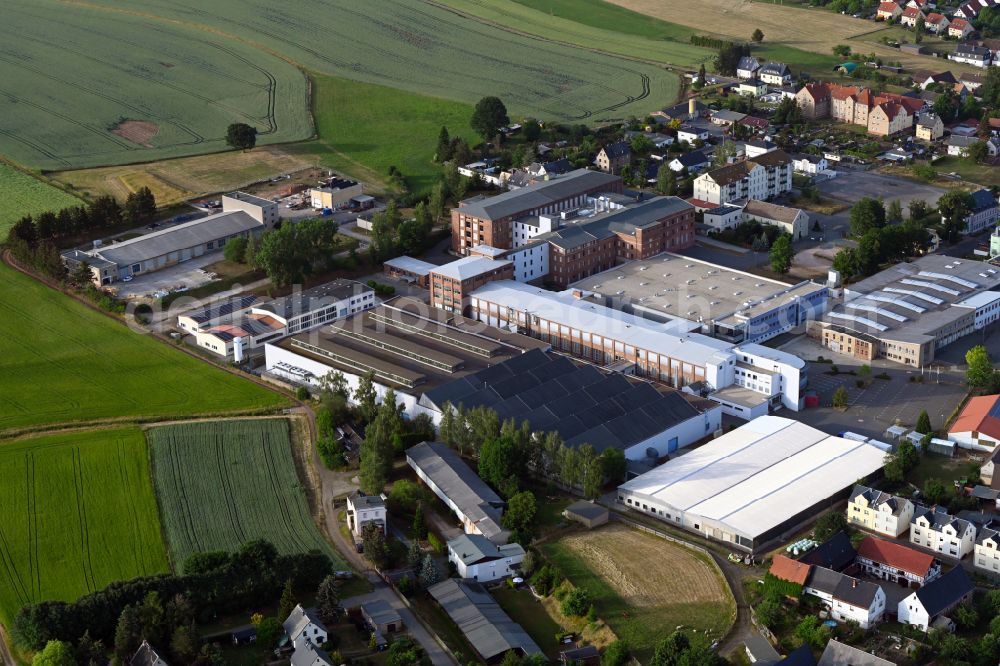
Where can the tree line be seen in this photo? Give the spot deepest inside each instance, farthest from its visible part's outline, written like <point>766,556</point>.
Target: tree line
<point>34,241</point>
<point>214,582</point>
<point>290,253</point>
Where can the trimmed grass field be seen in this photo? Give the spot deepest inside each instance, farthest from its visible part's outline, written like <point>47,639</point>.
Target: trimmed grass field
<point>83,87</point>
<point>65,363</point>
<point>78,513</point>
<point>22,194</point>
<point>633,579</point>
<point>983,174</point>
<point>221,484</point>
<point>176,180</point>
<point>364,129</point>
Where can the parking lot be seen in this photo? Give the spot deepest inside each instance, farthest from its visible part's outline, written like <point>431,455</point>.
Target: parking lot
<point>849,187</point>
<point>883,402</point>
<point>186,275</point>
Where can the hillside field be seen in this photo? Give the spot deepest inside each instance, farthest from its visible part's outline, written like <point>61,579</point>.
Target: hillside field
<point>78,513</point>
<point>223,483</point>
<point>632,578</point>
<point>22,194</point>
<point>425,48</point>
<point>65,363</point>
<point>80,87</point>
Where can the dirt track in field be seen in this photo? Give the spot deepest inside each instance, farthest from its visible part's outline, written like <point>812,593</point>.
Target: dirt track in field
<point>814,30</point>
<point>643,570</point>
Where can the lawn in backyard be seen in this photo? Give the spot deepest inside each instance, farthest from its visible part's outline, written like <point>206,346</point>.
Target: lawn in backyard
<point>65,363</point>
<point>78,513</point>
<point>221,484</point>
<point>23,194</point>
<point>632,579</point>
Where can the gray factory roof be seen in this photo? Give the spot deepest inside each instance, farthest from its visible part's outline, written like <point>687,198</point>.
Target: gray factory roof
<point>410,265</point>
<point>583,404</point>
<point>469,267</point>
<point>676,286</point>
<point>462,486</point>
<point>180,237</point>
<point>315,298</point>
<point>912,301</point>
<point>472,548</point>
<point>534,196</point>
<point>490,631</point>
<point>251,198</point>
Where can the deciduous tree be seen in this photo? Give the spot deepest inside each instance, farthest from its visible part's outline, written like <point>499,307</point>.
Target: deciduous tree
<point>488,117</point>
<point>781,254</point>
<point>979,369</point>
<point>241,136</point>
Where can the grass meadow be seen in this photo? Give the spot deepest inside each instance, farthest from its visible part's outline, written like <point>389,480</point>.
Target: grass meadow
<point>78,513</point>
<point>73,73</point>
<point>65,363</point>
<point>632,579</point>
<point>22,194</point>
<point>223,483</point>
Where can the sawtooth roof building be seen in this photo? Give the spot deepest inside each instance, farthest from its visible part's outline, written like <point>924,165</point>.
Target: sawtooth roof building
<point>908,311</point>
<point>753,485</point>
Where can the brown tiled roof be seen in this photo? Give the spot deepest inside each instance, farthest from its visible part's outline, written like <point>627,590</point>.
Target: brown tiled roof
<point>785,568</point>
<point>934,18</point>
<point>895,555</point>
<point>731,173</point>
<point>891,109</point>
<point>816,90</point>
<point>912,12</point>
<point>888,7</point>
<point>772,158</point>
<point>770,211</point>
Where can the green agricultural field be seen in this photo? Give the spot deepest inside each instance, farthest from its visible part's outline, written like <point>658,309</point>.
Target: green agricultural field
<point>668,45</point>
<point>606,16</point>
<point>78,513</point>
<point>406,127</point>
<point>421,47</point>
<point>83,87</point>
<point>22,194</point>
<point>63,363</point>
<point>221,484</point>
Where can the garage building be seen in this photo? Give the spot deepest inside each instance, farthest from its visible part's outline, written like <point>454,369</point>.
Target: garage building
<point>753,484</point>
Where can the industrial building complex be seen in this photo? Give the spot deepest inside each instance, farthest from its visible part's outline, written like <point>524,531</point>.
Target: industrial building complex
<point>745,379</point>
<point>754,484</point>
<point>724,303</point>
<point>908,311</point>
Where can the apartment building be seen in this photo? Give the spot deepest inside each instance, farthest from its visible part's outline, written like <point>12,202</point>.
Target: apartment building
<point>452,283</point>
<point>878,511</point>
<point>929,127</point>
<point>985,212</point>
<point>614,157</point>
<point>882,113</point>
<point>934,529</point>
<point>762,177</point>
<point>489,220</point>
<point>987,551</point>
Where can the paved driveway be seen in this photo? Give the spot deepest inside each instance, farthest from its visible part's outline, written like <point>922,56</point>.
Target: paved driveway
<point>412,625</point>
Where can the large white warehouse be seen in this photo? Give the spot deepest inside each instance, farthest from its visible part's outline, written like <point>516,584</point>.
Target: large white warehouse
<point>752,484</point>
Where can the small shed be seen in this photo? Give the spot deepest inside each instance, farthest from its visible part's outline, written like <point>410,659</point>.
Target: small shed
<point>588,655</point>
<point>896,431</point>
<point>760,651</point>
<point>915,437</point>
<point>588,514</point>
<point>381,616</point>
<point>941,447</point>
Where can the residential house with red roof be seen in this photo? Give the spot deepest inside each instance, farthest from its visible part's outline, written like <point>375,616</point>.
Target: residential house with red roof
<point>787,569</point>
<point>909,16</point>
<point>960,28</point>
<point>978,428</point>
<point>891,561</point>
<point>887,11</point>
<point>937,23</point>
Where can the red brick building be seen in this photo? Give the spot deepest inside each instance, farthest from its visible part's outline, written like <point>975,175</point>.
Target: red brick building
<point>451,283</point>
<point>489,220</point>
<point>661,224</point>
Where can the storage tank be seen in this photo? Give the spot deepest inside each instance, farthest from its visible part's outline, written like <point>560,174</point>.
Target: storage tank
<point>692,107</point>
<point>238,349</point>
